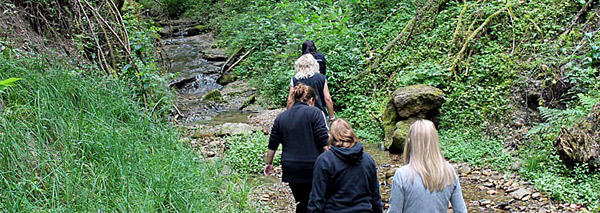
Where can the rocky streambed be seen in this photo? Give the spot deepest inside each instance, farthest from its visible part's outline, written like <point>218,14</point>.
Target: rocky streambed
<point>209,108</point>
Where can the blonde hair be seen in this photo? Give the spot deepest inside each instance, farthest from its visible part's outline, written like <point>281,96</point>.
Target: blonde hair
<point>306,66</point>
<point>423,155</point>
<point>341,134</point>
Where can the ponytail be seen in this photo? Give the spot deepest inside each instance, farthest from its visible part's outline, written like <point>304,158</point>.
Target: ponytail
<point>303,93</point>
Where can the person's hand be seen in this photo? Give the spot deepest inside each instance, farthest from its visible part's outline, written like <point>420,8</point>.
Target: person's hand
<point>268,170</point>
<point>331,118</point>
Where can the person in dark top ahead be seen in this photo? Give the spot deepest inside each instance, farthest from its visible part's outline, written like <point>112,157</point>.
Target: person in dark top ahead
<point>308,47</point>
<point>345,177</point>
<point>307,72</point>
<point>302,132</point>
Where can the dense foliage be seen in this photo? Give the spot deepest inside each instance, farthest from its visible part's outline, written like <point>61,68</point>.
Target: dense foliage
<point>506,67</point>
<point>245,153</point>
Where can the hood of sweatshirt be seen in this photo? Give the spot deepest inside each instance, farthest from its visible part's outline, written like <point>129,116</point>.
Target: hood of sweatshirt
<point>350,155</point>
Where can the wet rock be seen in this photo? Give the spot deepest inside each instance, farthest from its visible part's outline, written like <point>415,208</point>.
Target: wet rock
<point>226,79</point>
<point>196,30</point>
<point>581,143</point>
<point>520,193</point>
<point>214,57</point>
<point>248,101</point>
<point>511,189</point>
<point>464,170</point>
<point>235,129</point>
<point>485,202</point>
<point>492,192</point>
<point>488,184</point>
<point>214,95</point>
<point>536,195</point>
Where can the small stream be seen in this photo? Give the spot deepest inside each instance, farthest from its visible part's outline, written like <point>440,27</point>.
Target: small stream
<point>197,66</point>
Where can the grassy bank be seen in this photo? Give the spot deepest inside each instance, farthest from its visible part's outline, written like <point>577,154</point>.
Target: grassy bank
<point>70,142</point>
<point>503,65</point>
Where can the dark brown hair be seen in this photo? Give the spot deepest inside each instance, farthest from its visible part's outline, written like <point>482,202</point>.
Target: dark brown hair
<point>303,93</point>
<point>308,47</point>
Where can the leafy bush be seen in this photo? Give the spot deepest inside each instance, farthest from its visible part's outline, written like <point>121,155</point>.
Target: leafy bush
<point>469,145</point>
<point>245,153</point>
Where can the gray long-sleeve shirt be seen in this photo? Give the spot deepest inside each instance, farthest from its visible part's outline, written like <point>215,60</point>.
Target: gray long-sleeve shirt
<point>411,196</point>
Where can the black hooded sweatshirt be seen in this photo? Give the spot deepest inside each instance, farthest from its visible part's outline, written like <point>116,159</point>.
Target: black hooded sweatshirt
<point>345,180</point>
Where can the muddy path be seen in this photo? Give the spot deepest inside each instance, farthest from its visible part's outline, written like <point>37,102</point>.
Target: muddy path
<point>205,121</point>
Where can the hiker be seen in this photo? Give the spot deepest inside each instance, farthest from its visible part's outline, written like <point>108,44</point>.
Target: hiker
<point>345,177</point>
<point>427,182</point>
<point>307,72</point>
<point>309,47</point>
<point>302,132</point>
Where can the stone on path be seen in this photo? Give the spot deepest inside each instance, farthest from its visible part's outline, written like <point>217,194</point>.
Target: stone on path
<point>520,193</point>
<point>235,129</point>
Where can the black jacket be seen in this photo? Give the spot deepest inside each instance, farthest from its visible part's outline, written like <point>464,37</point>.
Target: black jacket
<point>345,180</point>
<point>317,82</point>
<point>322,62</point>
<point>302,132</point>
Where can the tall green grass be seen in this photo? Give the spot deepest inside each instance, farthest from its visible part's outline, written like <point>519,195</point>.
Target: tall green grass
<point>75,143</point>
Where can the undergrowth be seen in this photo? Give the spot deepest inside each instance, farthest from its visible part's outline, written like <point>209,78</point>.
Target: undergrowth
<point>75,143</point>
<point>523,49</point>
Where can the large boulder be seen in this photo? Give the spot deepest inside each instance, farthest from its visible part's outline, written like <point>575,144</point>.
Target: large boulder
<point>581,143</point>
<point>420,101</point>
<point>399,135</point>
<point>407,105</point>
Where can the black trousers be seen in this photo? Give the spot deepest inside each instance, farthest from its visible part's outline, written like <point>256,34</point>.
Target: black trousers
<point>301,192</point>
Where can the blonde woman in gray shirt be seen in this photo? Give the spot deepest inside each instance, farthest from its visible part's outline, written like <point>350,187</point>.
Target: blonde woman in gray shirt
<point>427,182</point>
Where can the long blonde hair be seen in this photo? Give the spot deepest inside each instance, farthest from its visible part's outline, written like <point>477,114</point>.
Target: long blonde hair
<point>306,66</point>
<point>423,155</point>
<point>341,134</point>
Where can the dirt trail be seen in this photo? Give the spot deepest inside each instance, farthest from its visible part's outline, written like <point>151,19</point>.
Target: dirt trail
<point>198,64</point>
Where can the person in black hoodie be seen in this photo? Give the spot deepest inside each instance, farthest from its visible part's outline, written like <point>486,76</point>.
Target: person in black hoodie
<point>308,47</point>
<point>302,132</point>
<point>345,177</point>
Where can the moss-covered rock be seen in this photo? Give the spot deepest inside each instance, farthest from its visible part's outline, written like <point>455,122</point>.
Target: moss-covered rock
<point>389,119</point>
<point>399,135</point>
<point>418,101</point>
<point>226,79</point>
<point>214,95</point>
<point>196,30</point>
<point>581,143</point>
<point>248,101</point>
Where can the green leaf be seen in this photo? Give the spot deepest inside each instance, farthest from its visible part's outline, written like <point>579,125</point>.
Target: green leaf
<point>9,82</point>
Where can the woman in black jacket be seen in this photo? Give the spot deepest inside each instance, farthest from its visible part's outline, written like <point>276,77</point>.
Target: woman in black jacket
<point>302,132</point>
<point>345,177</point>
